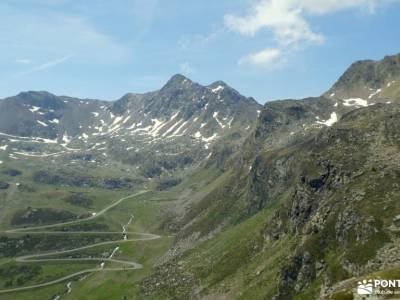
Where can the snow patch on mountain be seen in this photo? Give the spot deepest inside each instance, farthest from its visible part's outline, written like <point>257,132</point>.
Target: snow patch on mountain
<point>176,132</point>
<point>197,135</point>
<point>172,128</point>
<point>34,109</point>
<point>117,120</point>
<point>215,116</point>
<point>374,93</point>
<point>42,123</point>
<point>355,102</point>
<point>390,83</point>
<point>158,125</point>
<point>66,139</point>
<point>126,119</point>
<point>211,138</point>
<point>332,120</point>
<point>217,89</point>
<point>230,122</point>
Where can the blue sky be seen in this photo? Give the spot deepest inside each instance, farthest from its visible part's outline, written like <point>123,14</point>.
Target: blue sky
<point>268,49</point>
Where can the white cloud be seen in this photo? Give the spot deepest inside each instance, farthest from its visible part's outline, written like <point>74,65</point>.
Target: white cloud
<point>287,21</point>
<point>281,17</point>
<point>329,6</point>
<point>186,68</point>
<point>46,65</point>
<point>23,61</point>
<point>197,41</point>
<point>53,33</point>
<point>266,57</point>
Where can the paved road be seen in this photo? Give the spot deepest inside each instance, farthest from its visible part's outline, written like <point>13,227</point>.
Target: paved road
<point>67,277</point>
<point>103,211</point>
<point>126,265</point>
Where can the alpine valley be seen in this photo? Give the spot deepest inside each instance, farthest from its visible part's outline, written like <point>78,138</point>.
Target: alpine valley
<point>197,192</point>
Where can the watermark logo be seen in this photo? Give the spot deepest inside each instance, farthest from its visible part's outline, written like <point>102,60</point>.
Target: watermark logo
<point>378,286</point>
<point>365,287</point>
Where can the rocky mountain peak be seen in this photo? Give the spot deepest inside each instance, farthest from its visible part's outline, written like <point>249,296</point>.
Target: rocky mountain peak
<point>218,83</point>
<point>220,86</point>
<point>177,81</point>
<point>41,99</point>
<point>369,79</point>
<point>39,95</point>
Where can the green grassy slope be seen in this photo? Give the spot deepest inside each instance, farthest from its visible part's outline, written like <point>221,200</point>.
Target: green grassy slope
<point>308,217</point>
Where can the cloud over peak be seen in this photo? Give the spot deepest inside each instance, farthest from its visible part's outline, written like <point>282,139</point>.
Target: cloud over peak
<point>282,18</point>
<point>186,68</point>
<point>286,21</point>
<point>264,57</point>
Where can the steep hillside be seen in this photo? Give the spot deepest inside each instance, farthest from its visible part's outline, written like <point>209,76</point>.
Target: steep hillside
<point>325,210</point>
<point>285,123</point>
<point>367,82</point>
<point>311,199</point>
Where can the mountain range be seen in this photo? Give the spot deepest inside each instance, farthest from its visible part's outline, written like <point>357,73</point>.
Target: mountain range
<point>293,199</point>
<point>174,126</point>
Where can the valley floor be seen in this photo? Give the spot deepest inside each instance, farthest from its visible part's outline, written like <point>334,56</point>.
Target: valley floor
<point>92,260</point>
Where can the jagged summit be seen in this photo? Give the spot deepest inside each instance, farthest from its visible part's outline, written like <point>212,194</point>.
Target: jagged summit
<point>218,83</point>
<point>177,81</point>
<point>35,93</point>
<point>222,88</point>
<point>38,98</point>
<point>369,79</point>
<point>164,120</point>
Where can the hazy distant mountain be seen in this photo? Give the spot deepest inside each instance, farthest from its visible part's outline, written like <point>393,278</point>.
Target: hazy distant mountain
<point>170,128</point>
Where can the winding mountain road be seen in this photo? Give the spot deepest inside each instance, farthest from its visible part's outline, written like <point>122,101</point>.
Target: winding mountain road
<point>98,214</point>
<point>41,257</point>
